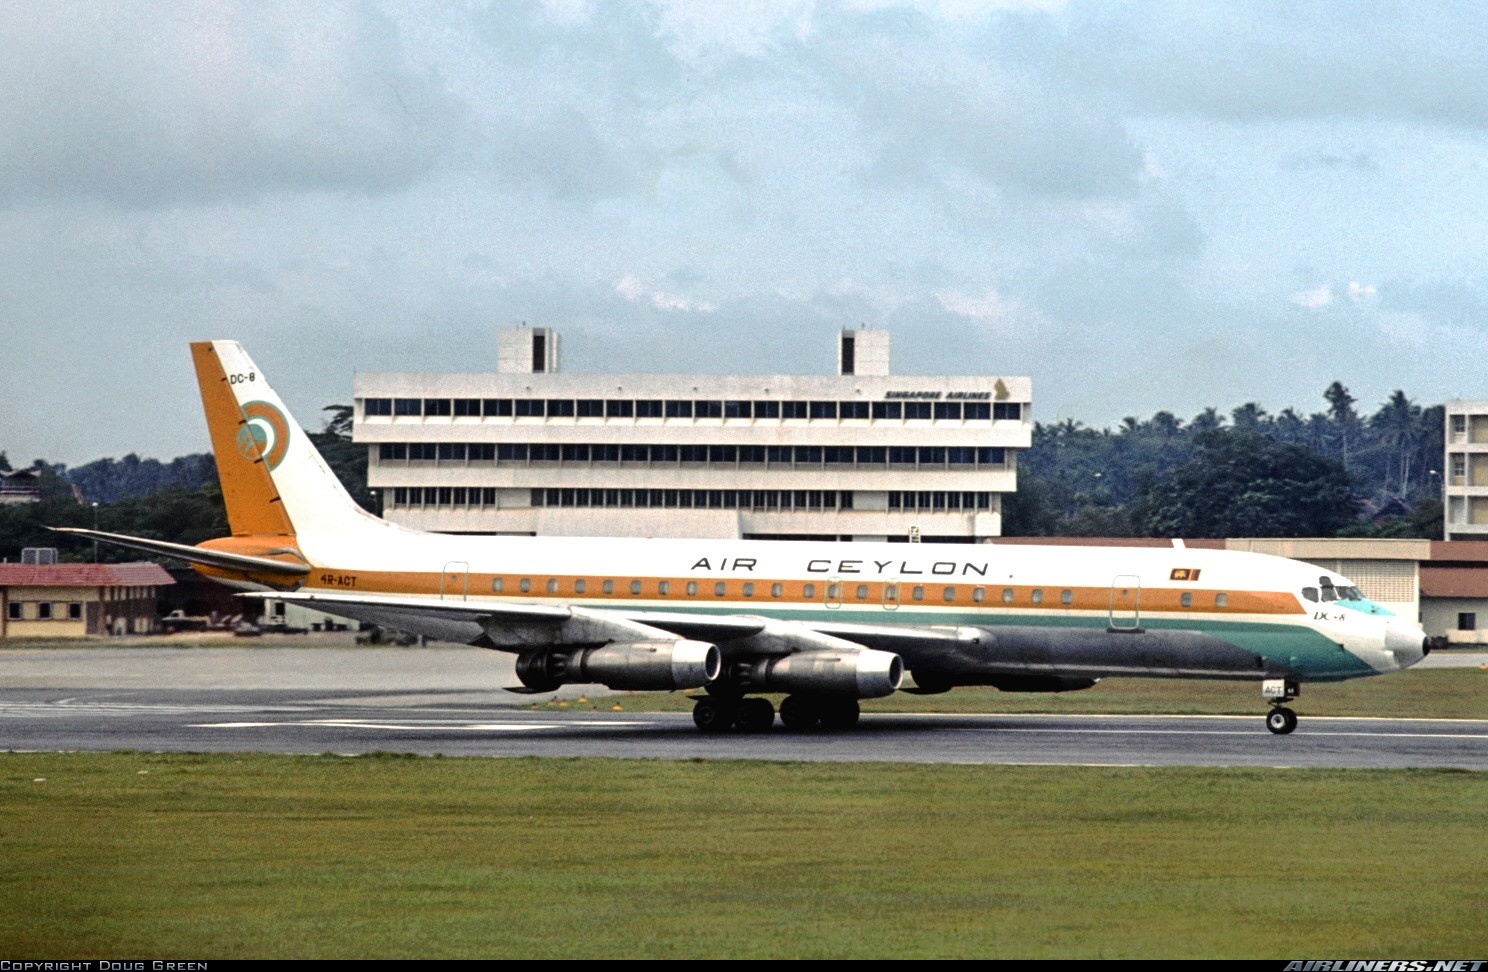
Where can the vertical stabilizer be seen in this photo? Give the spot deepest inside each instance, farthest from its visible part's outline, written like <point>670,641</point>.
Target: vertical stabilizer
<point>273,480</point>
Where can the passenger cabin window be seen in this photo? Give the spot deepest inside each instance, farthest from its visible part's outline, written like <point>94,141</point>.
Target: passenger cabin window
<point>862,592</point>
<point>978,594</point>
<point>608,587</point>
<point>1007,595</point>
<point>834,592</point>
<point>580,586</point>
<point>526,585</point>
<point>1038,595</point>
<point>918,593</point>
<point>808,591</point>
<point>719,589</point>
<point>776,590</point>
<point>949,594</point>
<point>635,587</point>
<point>748,589</point>
<point>664,588</point>
<point>692,588</point>
<point>1066,597</point>
<point>497,584</point>
<point>552,585</point>
<point>1221,600</point>
<point>1186,599</point>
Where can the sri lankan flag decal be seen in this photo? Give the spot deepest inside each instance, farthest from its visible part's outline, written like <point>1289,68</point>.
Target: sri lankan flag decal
<point>1184,574</point>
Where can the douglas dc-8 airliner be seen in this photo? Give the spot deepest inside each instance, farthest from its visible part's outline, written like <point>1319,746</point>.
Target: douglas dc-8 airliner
<point>828,624</point>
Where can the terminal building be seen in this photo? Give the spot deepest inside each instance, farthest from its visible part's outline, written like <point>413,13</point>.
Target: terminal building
<point>1465,492</point>
<point>857,455</point>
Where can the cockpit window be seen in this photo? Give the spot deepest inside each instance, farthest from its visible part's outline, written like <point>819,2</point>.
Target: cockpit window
<point>1350,594</point>
<point>1330,593</point>
<point>1310,593</point>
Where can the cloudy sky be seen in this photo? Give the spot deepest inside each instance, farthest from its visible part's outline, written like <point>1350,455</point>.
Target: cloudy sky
<point>1142,206</point>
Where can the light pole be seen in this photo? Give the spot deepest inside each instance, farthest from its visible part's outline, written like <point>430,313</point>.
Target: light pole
<point>95,529</point>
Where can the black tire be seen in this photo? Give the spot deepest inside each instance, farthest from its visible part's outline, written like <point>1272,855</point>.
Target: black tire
<point>712,716</point>
<point>1281,720</point>
<point>840,713</point>
<point>799,713</point>
<point>756,715</point>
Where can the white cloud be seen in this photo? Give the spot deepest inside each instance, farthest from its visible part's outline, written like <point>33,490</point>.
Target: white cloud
<point>1361,292</point>
<point>1314,299</point>
<point>633,289</point>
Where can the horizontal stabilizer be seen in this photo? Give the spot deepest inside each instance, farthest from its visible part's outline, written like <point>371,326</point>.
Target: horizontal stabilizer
<point>195,555</point>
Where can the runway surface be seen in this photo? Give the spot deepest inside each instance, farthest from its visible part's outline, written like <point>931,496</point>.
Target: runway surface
<point>237,700</point>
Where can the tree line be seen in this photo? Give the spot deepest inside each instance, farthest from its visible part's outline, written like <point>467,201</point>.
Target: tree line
<point>1332,473</point>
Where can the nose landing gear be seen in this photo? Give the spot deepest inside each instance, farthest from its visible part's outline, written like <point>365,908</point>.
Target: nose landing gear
<point>1279,691</point>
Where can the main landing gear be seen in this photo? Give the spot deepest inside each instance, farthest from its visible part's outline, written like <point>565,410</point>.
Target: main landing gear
<point>1278,691</point>
<point>802,713</point>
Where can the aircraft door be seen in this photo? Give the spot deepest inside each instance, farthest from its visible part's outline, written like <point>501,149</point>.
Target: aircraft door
<point>891,594</point>
<point>833,593</point>
<point>454,581</point>
<point>1126,602</point>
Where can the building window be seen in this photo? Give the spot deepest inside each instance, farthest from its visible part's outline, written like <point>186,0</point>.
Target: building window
<point>496,407</point>
<point>916,410</point>
<point>707,409</point>
<point>13,611</point>
<point>738,410</point>
<point>679,409</point>
<point>591,408</point>
<point>888,410</point>
<point>560,408</point>
<point>976,411</point>
<point>531,408</point>
<point>793,410</point>
<point>853,410</point>
<point>948,411</point>
<point>767,410</point>
<point>823,410</point>
<point>439,407</point>
<point>619,408</point>
<point>648,408</point>
<point>377,406</point>
<point>1007,410</point>
<point>467,408</point>
<point>408,406</point>
<point>44,610</point>
<point>1467,621</point>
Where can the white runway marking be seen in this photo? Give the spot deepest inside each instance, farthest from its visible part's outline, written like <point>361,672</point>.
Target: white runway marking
<point>419,726</point>
<point>1221,732</point>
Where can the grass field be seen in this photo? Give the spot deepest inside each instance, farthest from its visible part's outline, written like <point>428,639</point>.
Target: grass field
<point>139,855</point>
<point>1441,693</point>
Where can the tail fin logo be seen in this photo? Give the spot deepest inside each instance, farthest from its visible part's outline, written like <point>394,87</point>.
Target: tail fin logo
<point>265,434</point>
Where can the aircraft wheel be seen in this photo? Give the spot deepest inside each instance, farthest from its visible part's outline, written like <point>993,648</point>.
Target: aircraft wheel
<point>711,715</point>
<point>799,713</point>
<point>756,715</point>
<point>840,713</point>
<point>1281,720</point>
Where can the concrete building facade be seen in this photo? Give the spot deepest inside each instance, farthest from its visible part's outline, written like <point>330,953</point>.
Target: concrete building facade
<point>861,454</point>
<point>1465,471</point>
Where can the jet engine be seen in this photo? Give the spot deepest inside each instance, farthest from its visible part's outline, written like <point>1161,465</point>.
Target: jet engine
<point>637,665</point>
<point>863,673</point>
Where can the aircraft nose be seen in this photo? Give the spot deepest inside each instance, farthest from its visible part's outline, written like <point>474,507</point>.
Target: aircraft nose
<point>1406,642</point>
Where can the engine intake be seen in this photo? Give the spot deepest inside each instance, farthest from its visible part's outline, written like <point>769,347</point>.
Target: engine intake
<point>637,665</point>
<point>862,674</point>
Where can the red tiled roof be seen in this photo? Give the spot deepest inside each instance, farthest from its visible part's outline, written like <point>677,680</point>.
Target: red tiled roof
<point>1453,581</point>
<point>84,575</point>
